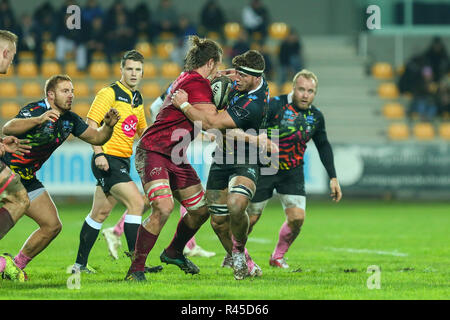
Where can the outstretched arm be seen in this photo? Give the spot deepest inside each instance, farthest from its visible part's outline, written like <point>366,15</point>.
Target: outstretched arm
<point>18,126</point>
<point>101,135</point>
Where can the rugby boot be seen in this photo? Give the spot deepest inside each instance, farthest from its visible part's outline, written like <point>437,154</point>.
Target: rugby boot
<point>181,262</point>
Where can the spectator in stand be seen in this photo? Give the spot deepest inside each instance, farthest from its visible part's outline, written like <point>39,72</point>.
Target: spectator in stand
<point>186,27</point>
<point>70,39</point>
<point>268,71</point>
<point>241,45</point>
<point>212,18</point>
<point>418,81</point>
<point>255,19</point>
<point>438,59</point>
<point>6,15</point>
<point>290,56</point>
<point>120,38</point>
<point>91,11</point>
<point>443,97</point>
<point>30,38</point>
<point>167,17</point>
<point>111,16</point>
<point>143,22</point>
<point>96,38</point>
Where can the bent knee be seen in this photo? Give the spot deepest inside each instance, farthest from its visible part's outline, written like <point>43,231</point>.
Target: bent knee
<point>163,207</point>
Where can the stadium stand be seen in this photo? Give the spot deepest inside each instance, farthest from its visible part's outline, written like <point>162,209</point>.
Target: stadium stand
<point>393,110</point>
<point>9,110</point>
<point>423,131</point>
<point>398,131</point>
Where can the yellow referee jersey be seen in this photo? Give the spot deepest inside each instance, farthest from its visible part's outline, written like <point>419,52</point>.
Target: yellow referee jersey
<point>131,118</point>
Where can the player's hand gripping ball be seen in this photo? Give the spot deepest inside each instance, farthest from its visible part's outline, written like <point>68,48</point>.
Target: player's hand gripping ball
<point>220,87</point>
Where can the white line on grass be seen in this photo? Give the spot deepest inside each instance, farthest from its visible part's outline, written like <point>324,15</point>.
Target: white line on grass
<point>390,253</point>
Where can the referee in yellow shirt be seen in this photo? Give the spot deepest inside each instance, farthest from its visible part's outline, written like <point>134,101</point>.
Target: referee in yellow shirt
<point>111,162</point>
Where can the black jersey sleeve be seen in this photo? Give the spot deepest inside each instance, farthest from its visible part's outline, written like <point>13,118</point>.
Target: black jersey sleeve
<point>32,110</point>
<point>247,113</point>
<point>324,148</point>
<point>79,126</point>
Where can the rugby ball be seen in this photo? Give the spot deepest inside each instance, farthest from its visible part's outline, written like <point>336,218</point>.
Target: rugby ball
<point>220,87</point>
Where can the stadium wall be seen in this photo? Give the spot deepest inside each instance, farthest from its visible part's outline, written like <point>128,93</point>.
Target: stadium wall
<point>407,170</point>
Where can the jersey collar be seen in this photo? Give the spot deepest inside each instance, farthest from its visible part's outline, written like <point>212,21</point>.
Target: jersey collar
<point>47,104</point>
<point>259,87</point>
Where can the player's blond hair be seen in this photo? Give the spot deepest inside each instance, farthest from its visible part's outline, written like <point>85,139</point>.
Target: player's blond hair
<point>8,36</point>
<point>307,75</point>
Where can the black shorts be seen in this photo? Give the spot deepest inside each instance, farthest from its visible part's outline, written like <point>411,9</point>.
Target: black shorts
<point>221,174</point>
<point>32,184</point>
<point>119,171</point>
<point>284,181</point>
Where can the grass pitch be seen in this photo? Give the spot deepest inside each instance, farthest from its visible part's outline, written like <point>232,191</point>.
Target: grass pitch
<point>409,242</point>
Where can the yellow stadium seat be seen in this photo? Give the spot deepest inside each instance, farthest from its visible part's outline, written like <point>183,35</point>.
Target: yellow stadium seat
<point>27,70</point>
<point>145,49</point>
<point>382,70</point>
<point>213,35</point>
<point>99,86</point>
<point>9,110</point>
<point>273,88</point>
<point>72,70</point>
<point>424,131</point>
<point>81,90</point>
<point>8,90</point>
<point>400,70</point>
<point>278,30</point>
<point>388,90</point>
<point>167,35</point>
<point>287,87</point>
<point>49,50</point>
<point>151,90</point>
<point>116,70</point>
<point>32,90</point>
<point>393,110</point>
<point>444,130</point>
<point>398,131</point>
<point>170,70</point>
<point>163,49</point>
<point>81,109</point>
<point>23,55</point>
<point>98,56</point>
<point>232,30</point>
<point>50,68</point>
<point>150,70</point>
<point>99,70</point>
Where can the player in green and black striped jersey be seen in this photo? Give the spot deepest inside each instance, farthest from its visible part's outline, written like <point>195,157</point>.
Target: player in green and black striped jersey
<point>296,121</point>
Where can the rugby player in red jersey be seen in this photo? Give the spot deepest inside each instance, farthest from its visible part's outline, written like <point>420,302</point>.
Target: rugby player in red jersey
<point>162,179</point>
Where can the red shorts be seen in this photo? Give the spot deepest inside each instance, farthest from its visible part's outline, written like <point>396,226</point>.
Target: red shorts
<point>152,166</point>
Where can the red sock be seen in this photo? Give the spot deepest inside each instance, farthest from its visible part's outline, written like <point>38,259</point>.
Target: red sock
<point>144,243</point>
<point>181,237</point>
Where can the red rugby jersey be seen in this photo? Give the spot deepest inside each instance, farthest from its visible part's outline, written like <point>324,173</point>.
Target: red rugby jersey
<point>161,135</point>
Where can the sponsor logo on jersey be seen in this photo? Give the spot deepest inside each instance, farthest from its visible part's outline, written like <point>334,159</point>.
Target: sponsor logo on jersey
<point>129,126</point>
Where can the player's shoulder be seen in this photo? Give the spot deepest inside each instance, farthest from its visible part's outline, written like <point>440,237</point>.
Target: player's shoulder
<point>106,91</point>
<point>316,110</point>
<point>33,108</point>
<point>278,100</point>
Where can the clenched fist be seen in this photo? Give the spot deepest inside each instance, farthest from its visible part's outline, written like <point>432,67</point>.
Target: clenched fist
<point>111,117</point>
